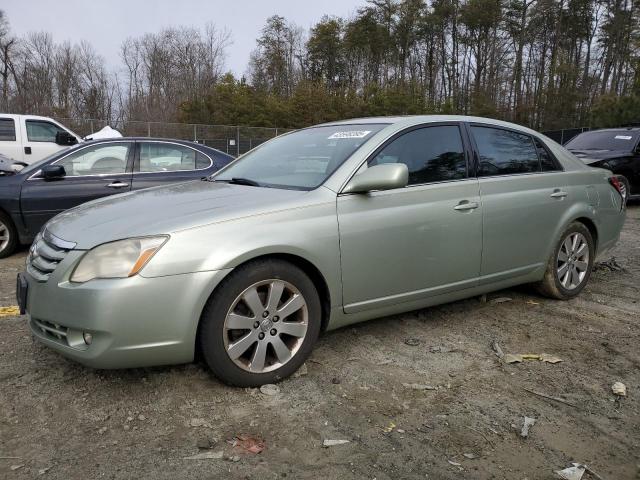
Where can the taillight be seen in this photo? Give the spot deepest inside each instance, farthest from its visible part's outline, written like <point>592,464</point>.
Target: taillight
<point>619,186</point>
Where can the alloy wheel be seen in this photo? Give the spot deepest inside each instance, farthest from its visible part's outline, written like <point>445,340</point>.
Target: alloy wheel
<point>265,326</point>
<point>572,263</point>
<point>4,236</point>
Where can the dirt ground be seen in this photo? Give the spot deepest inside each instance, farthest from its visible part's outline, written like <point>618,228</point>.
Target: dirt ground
<point>61,420</point>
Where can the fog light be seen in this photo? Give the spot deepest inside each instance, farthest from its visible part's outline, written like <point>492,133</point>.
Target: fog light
<point>88,338</point>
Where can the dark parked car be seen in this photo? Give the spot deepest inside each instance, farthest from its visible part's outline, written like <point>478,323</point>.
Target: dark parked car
<point>616,149</point>
<point>31,196</point>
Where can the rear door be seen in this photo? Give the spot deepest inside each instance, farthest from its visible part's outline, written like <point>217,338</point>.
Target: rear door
<point>524,198</point>
<point>10,144</point>
<point>92,172</point>
<point>159,163</point>
<point>405,244</point>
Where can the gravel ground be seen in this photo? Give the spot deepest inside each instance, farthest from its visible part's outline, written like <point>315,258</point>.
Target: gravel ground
<point>61,420</point>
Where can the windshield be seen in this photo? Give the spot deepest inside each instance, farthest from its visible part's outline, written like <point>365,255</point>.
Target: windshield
<point>301,160</point>
<point>621,140</point>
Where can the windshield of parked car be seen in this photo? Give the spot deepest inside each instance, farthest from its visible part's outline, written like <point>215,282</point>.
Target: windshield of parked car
<point>300,160</point>
<point>619,140</point>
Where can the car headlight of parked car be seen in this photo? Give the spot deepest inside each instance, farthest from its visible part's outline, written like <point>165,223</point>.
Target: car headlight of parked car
<point>120,259</point>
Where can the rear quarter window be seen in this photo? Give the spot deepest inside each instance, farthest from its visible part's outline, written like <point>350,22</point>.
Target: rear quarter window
<point>548,163</point>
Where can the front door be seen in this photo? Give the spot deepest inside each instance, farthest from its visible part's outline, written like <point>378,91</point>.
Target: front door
<point>91,172</point>
<point>39,140</point>
<point>409,243</point>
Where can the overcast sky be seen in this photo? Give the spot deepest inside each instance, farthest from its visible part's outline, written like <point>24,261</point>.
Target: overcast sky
<point>106,23</point>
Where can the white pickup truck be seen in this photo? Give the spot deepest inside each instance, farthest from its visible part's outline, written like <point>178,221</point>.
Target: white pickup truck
<point>29,138</point>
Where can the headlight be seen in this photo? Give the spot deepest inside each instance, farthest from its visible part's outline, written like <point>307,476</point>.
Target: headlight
<point>120,259</point>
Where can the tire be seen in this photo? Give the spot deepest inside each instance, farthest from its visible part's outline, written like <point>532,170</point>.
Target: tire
<point>8,236</point>
<point>559,282</point>
<point>253,354</point>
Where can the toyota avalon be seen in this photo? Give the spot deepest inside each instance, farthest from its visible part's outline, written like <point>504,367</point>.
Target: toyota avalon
<point>314,230</point>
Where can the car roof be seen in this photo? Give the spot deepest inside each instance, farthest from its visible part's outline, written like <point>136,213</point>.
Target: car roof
<point>620,129</point>
<point>154,139</point>
<point>410,120</point>
<point>190,143</point>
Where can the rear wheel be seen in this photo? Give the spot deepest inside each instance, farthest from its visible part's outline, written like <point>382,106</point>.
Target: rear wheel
<point>260,325</point>
<point>569,267</point>
<point>8,236</point>
<point>626,187</point>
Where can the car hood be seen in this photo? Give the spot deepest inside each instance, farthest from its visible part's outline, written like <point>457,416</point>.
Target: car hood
<point>8,166</point>
<point>163,210</point>
<point>593,156</point>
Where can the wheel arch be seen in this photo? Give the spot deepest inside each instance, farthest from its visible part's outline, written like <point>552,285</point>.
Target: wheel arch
<point>579,212</point>
<point>591,226</point>
<point>308,267</point>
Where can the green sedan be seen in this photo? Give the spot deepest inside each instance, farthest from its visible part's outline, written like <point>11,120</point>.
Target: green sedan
<point>315,230</point>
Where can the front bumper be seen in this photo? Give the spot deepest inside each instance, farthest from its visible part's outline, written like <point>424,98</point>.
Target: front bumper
<point>133,322</point>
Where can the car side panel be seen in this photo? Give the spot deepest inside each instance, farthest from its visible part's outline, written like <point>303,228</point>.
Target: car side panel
<point>309,232</point>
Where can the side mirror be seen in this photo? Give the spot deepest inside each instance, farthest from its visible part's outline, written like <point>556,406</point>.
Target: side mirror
<point>379,177</point>
<point>65,138</point>
<point>53,172</point>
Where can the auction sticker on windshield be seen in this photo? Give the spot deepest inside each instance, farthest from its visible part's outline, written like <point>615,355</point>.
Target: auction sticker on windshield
<point>351,134</point>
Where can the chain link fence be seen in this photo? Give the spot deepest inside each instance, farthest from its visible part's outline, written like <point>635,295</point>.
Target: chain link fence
<point>232,139</point>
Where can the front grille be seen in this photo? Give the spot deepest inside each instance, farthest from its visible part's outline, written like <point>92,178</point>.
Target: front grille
<point>45,254</point>
<point>52,331</point>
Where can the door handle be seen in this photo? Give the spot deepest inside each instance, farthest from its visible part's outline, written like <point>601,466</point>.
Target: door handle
<point>464,205</point>
<point>27,150</point>
<point>117,184</point>
<point>559,194</point>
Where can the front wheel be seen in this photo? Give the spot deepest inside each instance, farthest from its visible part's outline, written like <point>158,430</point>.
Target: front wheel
<point>260,325</point>
<point>569,267</point>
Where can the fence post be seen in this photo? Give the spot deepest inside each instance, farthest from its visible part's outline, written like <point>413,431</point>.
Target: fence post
<point>91,126</point>
<point>148,129</point>
<point>195,132</point>
<point>238,141</point>
<point>276,131</point>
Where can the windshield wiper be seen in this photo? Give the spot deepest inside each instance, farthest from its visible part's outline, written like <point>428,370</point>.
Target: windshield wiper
<point>243,181</point>
<point>234,180</point>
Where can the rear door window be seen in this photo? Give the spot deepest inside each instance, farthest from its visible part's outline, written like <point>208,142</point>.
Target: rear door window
<point>504,152</point>
<point>7,130</point>
<point>168,157</point>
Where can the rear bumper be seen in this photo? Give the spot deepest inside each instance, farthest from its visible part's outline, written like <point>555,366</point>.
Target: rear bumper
<point>133,322</point>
